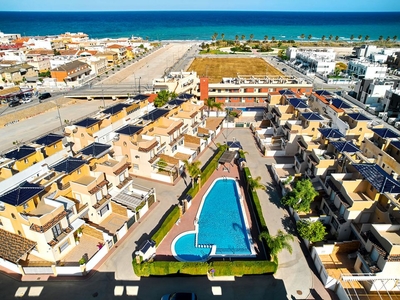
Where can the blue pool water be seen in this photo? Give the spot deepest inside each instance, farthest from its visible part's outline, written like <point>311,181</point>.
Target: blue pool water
<point>220,223</point>
<point>251,108</point>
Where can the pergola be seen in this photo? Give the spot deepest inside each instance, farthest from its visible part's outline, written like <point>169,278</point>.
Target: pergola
<point>227,157</point>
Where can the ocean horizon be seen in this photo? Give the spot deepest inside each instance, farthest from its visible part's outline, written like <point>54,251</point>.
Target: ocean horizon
<point>201,25</point>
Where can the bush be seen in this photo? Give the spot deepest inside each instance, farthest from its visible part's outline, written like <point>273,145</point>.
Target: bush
<point>312,231</point>
<point>166,226</point>
<point>222,268</point>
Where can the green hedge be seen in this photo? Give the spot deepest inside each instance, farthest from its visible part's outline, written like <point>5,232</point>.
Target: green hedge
<point>222,268</point>
<point>256,202</point>
<point>166,226</point>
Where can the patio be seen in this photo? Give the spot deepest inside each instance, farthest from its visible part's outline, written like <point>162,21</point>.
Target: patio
<point>88,246</point>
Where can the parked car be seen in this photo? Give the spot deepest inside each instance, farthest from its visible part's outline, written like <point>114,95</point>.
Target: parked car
<point>26,100</point>
<point>44,96</point>
<point>180,296</point>
<point>14,103</point>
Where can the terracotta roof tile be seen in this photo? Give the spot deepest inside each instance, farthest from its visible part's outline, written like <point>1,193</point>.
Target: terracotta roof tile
<point>50,223</point>
<point>121,169</point>
<point>13,246</point>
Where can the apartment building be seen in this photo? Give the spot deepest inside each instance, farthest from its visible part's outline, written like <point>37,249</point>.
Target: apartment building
<point>361,68</point>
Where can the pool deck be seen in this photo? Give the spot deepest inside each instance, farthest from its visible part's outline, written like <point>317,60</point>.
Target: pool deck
<point>186,222</point>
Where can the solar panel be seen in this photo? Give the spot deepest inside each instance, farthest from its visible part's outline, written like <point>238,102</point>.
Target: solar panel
<point>21,194</point>
<point>115,109</point>
<point>95,149</point>
<point>129,130</point>
<point>176,102</point>
<point>331,133</point>
<point>20,152</point>
<point>312,116</point>
<point>385,133</point>
<point>338,103</point>
<point>378,178</point>
<point>297,103</point>
<point>48,139</point>
<point>68,165</point>
<point>345,146</point>
<point>155,114</point>
<point>87,122</point>
<point>141,97</point>
<point>359,117</point>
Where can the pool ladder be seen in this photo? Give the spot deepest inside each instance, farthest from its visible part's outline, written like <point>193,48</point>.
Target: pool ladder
<point>224,178</point>
<point>205,245</point>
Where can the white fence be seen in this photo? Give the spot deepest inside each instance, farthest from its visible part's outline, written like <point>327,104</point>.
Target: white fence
<point>68,271</point>
<point>96,258</point>
<point>9,265</point>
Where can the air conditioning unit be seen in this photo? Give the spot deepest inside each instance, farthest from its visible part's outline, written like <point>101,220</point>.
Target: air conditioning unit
<point>397,125</point>
<point>381,115</point>
<point>391,120</point>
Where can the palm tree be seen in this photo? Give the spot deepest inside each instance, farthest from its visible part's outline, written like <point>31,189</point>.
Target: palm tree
<point>251,37</point>
<point>163,97</point>
<point>394,38</point>
<point>222,36</point>
<point>352,37</point>
<point>273,39</point>
<point>277,243</point>
<point>266,38</point>
<point>193,169</point>
<point>255,184</point>
<point>236,38</point>
<point>323,38</point>
<point>380,38</point>
<point>336,38</point>
<point>360,37</point>
<point>209,102</point>
<point>388,39</point>
<point>243,37</point>
<point>309,37</point>
<point>367,37</point>
<point>330,37</point>
<point>302,36</point>
<point>218,106</point>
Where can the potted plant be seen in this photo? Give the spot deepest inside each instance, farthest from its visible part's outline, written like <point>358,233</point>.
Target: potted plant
<point>79,231</point>
<point>82,261</point>
<point>77,241</point>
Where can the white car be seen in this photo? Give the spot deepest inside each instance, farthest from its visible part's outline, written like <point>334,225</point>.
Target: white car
<point>26,100</point>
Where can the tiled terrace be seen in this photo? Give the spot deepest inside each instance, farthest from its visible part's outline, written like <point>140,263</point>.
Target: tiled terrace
<point>187,220</point>
<point>113,222</point>
<point>88,245</point>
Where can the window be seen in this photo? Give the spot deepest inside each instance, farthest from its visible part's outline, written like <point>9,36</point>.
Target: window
<point>77,197</point>
<point>104,210</point>
<point>99,195</point>
<point>26,205</point>
<point>55,146</point>
<point>13,216</point>
<point>56,230</point>
<point>124,143</point>
<point>383,166</point>
<point>135,166</point>
<point>79,171</point>
<point>26,160</point>
<point>174,148</point>
<point>1,223</point>
<point>371,188</point>
<point>19,233</point>
<point>64,246</point>
<point>121,177</point>
<point>335,223</point>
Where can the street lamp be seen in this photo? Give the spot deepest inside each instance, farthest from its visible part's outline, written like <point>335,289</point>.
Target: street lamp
<point>139,84</point>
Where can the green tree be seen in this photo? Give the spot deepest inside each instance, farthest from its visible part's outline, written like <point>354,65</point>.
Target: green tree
<point>162,164</point>
<point>209,102</point>
<point>388,39</point>
<point>163,97</point>
<point>394,38</point>
<point>266,38</point>
<point>236,38</point>
<point>323,38</point>
<point>243,37</point>
<point>336,38</point>
<point>251,37</point>
<point>380,38</point>
<point>193,169</point>
<point>301,196</point>
<point>273,39</point>
<point>367,37</point>
<point>277,243</point>
<point>309,37</point>
<point>352,37</point>
<point>312,231</point>
<point>255,183</point>
<point>330,37</point>
<point>360,37</point>
<point>222,36</point>
<point>218,106</point>
<point>302,36</point>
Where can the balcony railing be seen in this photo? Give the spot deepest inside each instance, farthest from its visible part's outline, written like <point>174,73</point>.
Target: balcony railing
<point>101,202</point>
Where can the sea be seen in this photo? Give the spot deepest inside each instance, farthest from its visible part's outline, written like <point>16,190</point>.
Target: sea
<point>202,25</point>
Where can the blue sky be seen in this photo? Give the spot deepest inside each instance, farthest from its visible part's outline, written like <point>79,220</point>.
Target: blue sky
<point>252,5</point>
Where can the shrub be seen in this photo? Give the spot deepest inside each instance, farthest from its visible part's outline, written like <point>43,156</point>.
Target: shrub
<point>166,226</point>
<point>312,231</point>
<point>222,268</point>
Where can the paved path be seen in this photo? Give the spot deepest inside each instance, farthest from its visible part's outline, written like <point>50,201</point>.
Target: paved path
<point>294,270</point>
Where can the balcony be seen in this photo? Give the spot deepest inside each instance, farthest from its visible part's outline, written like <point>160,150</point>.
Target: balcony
<point>102,202</point>
<point>65,232</point>
<point>177,139</point>
<point>368,262</point>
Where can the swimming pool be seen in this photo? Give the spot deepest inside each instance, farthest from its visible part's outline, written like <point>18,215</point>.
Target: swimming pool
<point>221,228</point>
